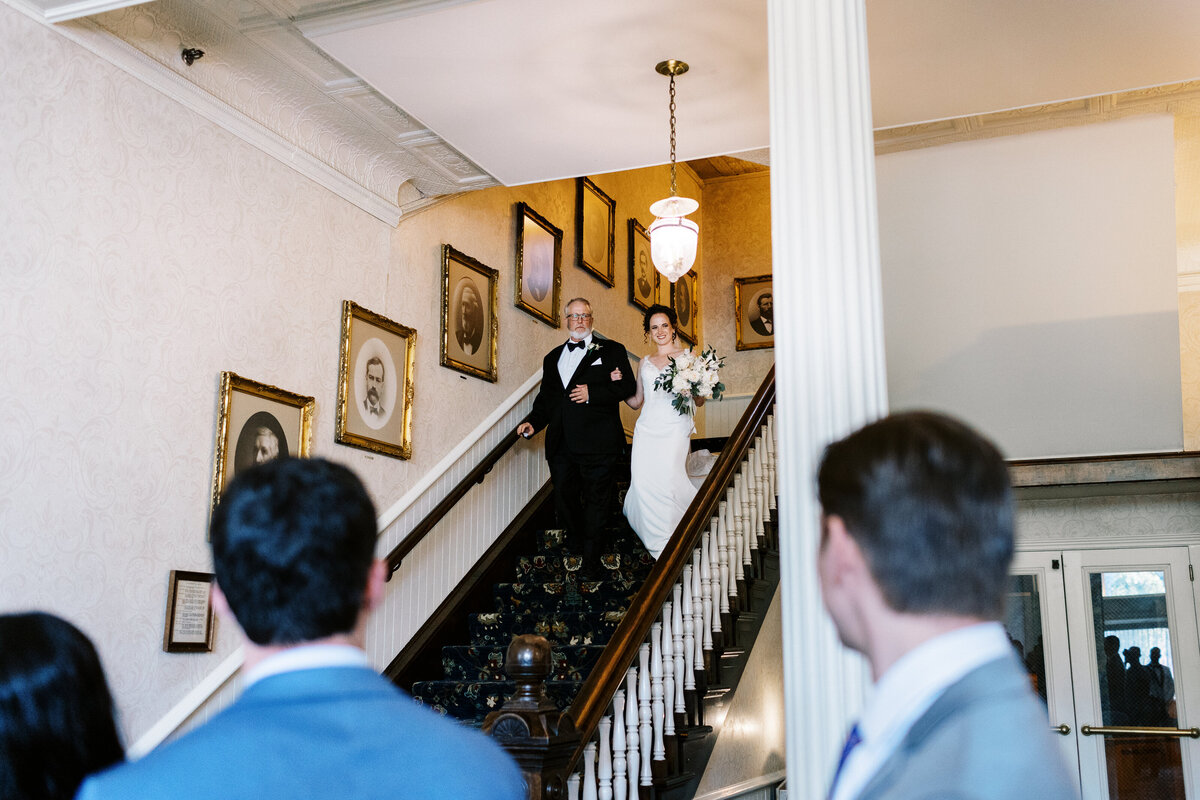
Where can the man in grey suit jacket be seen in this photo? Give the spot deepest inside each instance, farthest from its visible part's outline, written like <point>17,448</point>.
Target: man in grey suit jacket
<point>293,550</point>
<point>916,542</point>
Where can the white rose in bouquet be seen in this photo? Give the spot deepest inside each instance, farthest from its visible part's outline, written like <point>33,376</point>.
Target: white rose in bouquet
<point>679,385</point>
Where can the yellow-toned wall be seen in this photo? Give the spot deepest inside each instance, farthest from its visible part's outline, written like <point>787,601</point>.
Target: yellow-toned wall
<point>737,243</point>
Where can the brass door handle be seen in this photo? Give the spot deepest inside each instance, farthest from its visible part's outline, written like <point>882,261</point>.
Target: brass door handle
<point>1065,730</point>
<point>1120,730</point>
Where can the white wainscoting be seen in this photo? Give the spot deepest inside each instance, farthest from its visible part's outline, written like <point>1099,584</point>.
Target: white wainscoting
<point>721,416</point>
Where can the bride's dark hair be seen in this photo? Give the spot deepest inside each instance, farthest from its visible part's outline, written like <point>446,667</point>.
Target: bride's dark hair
<point>659,309</point>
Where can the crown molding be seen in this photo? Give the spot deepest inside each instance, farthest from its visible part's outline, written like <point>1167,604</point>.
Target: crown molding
<point>1082,111</point>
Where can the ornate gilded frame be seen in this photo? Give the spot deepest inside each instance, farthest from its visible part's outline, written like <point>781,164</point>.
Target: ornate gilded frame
<point>535,236</point>
<point>384,426</point>
<point>595,220</point>
<point>461,352</point>
<point>688,318</point>
<point>189,605</point>
<point>639,262</point>
<point>746,291</point>
<point>242,403</point>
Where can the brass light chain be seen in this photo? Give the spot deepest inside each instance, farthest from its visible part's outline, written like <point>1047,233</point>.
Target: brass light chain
<point>674,192</point>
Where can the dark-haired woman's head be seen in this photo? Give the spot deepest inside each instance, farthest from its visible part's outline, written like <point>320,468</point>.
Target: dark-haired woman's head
<point>658,308</point>
<point>57,720</point>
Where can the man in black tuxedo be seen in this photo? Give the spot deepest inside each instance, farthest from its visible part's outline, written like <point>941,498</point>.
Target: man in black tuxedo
<point>578,404</point>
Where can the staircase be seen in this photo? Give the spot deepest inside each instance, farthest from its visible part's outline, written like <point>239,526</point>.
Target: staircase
<point>545,594</point>
<point>636,664</point>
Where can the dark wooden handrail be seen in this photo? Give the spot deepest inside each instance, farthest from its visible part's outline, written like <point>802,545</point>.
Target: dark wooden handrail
<point>422,528</point>
<point>607,676</point>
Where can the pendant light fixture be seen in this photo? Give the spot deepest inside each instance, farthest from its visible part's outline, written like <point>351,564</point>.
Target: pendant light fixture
<point>672,236</point>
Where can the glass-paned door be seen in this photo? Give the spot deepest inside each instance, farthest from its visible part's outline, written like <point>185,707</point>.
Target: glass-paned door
<point>1135,658</point>
<point>1036,621</point>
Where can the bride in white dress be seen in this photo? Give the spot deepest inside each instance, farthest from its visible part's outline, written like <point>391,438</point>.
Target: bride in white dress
<point>659,490</point>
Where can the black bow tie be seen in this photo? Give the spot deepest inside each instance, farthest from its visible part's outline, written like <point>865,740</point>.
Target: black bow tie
<point>574,345</point>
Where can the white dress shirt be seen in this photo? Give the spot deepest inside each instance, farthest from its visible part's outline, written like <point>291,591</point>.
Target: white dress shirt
<point>908,689</point>
<point>568,359</point>
<point>308,656</point>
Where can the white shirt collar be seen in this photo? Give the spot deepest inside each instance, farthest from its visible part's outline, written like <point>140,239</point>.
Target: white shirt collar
<point>908,689</point>
<point>308,656</point>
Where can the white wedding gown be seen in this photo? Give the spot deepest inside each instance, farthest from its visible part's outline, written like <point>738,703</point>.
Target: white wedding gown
<point>659,487</point>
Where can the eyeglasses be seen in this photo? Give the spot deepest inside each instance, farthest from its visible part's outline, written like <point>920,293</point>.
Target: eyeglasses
<point>579,317</point>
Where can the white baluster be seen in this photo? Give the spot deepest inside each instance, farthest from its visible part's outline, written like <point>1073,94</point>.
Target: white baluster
<point>656,690</point>
<point>604,770</point>
<point>631,731</point>
<point>668,663</point>
<point>573,786</point>
<point>738,531</point>
<point>772,476</point>
<point>620,777</point>
<point>589,771</point>
<point>707,591</point>
<point>645,728</point>
<point>691,581</point>
<point>677,642</point>
<point>723,560</point>
<point>761,489</point>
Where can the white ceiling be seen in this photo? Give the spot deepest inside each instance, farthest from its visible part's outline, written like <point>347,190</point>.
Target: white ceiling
<point>533,90</point>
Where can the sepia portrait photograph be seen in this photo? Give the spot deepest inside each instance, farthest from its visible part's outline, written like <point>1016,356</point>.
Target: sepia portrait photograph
<point>257,423</point>
<point>687,307</point>
<point>643,277</point>
<point>754,312</point>
<point>595,218</point>
<point>539,266</point>
<point>469,321</point>
<point>375,383</point>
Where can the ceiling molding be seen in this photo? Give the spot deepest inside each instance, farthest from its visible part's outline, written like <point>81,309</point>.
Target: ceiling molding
<point>1083,111</point>
<point>261,80</point>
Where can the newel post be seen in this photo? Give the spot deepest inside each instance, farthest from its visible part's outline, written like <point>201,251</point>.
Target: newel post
<point>527,725</point>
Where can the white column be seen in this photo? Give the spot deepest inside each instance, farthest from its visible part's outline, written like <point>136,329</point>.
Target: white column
<point>828,342</point>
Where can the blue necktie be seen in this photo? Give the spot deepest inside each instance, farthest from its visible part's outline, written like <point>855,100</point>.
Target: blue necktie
<point>853,740</point>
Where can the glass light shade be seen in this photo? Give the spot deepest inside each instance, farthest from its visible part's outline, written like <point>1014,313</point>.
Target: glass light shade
<point>673,237</point>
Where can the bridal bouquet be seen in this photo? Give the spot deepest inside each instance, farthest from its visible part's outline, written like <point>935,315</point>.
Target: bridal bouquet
<point>689,376</point>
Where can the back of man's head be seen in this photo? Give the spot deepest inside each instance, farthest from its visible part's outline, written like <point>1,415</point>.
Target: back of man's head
<point>929,502</point>
<point>293,541</point>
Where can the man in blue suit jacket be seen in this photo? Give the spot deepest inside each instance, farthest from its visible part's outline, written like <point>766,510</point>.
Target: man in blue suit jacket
<point>916,542</point>
<point>293,550</point>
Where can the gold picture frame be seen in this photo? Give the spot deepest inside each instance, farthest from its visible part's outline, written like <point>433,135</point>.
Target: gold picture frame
<point>686,304</point>
<point>643,277</point>
<point>190,621</point>
<point>469,337</point>
<point>539,266</point>
<point>375,383</point>
<point>257,413</point>
<point>595,218</point>
<point>752,332</point>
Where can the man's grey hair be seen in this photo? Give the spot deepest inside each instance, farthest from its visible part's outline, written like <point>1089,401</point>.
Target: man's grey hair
<point>575,300</point>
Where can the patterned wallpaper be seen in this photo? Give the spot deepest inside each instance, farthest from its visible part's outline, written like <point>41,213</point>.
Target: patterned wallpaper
<point>736,244</point>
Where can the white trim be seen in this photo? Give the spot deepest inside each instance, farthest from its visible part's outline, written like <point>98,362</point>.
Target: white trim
<point>771,780</point>
<point>64,12</point>
<point>434,475</point>
<point>179,713</point>
<point>92,37</point>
